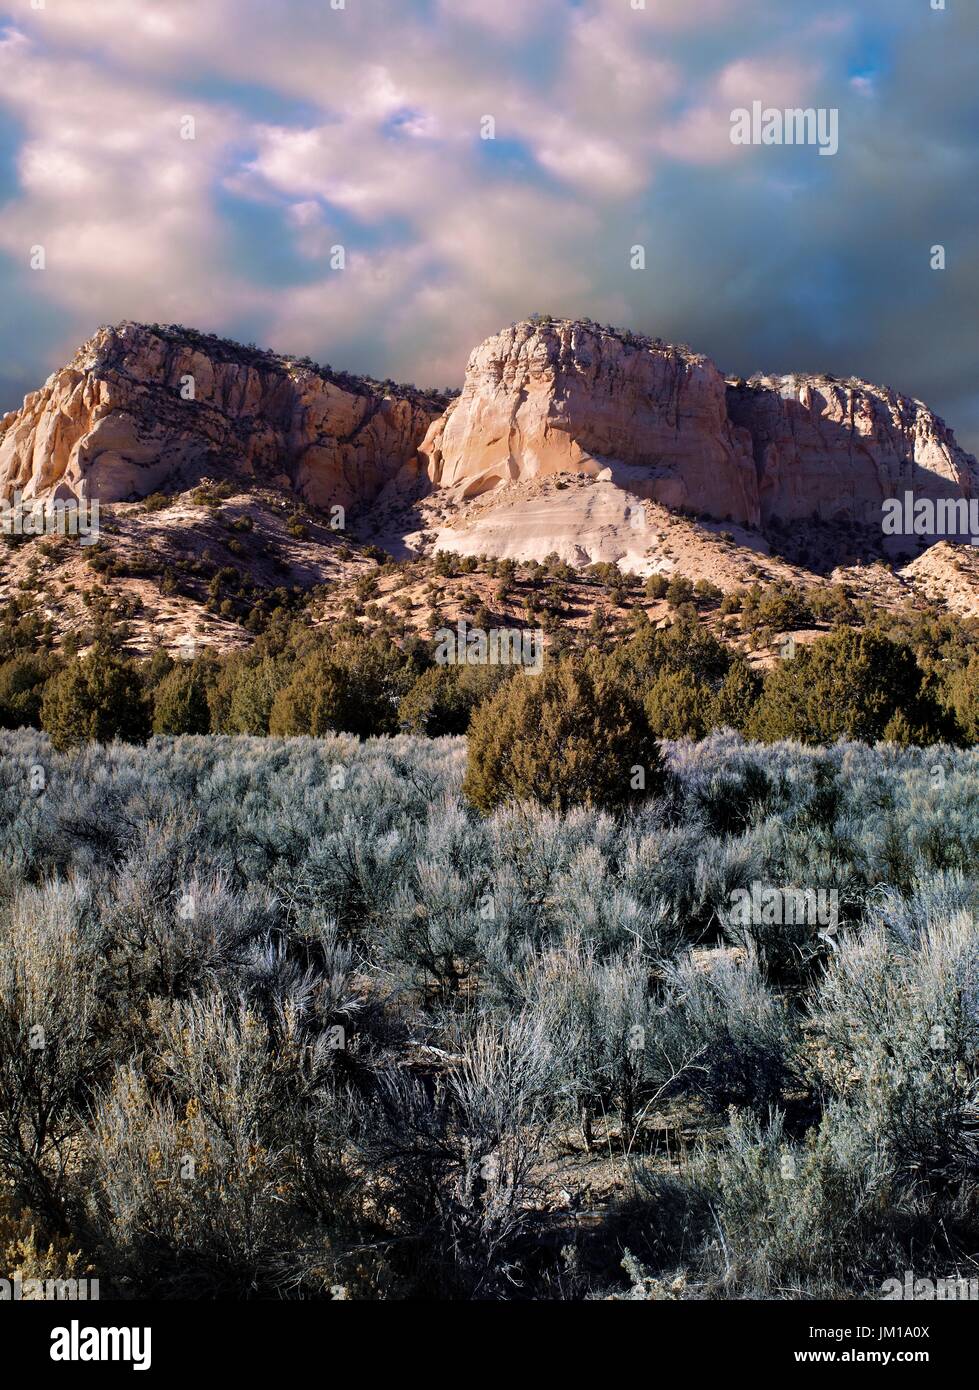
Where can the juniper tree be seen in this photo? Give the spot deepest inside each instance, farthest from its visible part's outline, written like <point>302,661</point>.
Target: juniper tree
<point>99,697</point>
<point>573,735</point>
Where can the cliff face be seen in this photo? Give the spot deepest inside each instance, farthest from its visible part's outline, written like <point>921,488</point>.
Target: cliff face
<point>114,424</point>
<point>836,451</point>
<point>539,398</point>
<point>566,397</point>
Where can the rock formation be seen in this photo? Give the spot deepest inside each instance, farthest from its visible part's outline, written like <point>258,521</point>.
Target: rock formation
<point>564,396</point>
<point>541,398</point>
<point>119,422</point>
<point>836,450</point>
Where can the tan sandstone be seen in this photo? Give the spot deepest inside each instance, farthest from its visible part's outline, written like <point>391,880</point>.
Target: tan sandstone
<point>114,424</point>
<point>663,423</point>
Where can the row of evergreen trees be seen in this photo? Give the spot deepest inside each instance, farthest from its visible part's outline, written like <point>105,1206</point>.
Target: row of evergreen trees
<point>563,736</point>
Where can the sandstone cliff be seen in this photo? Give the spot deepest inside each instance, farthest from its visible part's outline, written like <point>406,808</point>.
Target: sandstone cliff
<point>548,397</point>
<point>114,424</point>
<point>541,398</point>
<point>836,450</point>
<point>564,397</point>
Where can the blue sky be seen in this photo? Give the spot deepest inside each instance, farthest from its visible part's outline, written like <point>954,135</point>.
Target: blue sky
<point>316,127</point>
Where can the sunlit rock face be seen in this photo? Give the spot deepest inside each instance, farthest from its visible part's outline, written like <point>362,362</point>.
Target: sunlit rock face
<point>567,397</point>
<point>554,397</point>
<point>141,408</point>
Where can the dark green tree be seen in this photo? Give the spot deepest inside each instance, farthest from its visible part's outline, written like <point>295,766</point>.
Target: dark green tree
<point>180,701</point>
<point>99,697</point>
<point>574,735</point>
<point>350,686</point>
<point>678,705</point>
<point>22,682</point>
<point>443,698</point>
<point>848,684</point>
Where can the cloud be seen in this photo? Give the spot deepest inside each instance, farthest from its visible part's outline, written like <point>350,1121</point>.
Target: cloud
<point>361,127</point>
<point>510,21</point>
<point>110,190</point>
<point>702,133</point>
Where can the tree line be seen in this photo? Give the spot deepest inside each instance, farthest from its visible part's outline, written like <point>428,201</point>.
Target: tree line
<point>592,716</point>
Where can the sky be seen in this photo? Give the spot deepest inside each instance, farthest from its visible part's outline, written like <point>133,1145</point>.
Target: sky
<point>360,123</point>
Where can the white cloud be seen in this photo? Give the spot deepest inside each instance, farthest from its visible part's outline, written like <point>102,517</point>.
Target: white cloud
<point>702,133</point>
<point>120,203</point>
<point>352,165</point>
<point>367,119</point>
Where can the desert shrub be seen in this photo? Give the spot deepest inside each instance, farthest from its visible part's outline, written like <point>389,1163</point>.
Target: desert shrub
<point>898,1020</point>
<point>168,932</point>
<point>734,797</point>
<point>737,1029</point>
<point>802,1219</point>
<point>457,1162</point>
<point>769,1215</point>
<point>597,1016</point>
<point>270,964</point>
<point>906,916</point>
<point>56,1037</point>
<point>439,910</point>
<point>220,1171</point>
<point>27,1255</point>
<point>789,927</point>
<point>572,735</point>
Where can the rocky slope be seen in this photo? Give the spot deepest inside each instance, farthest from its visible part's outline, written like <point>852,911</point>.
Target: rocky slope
<point>143,409</point>
<point>567,439</point>
<point>553,396</point>
<point>118,422</point>
<point>585,521</point>
<point>947,574</point>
